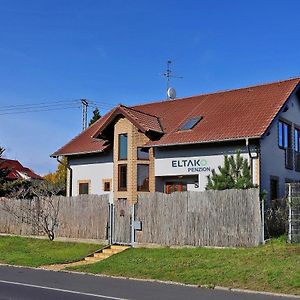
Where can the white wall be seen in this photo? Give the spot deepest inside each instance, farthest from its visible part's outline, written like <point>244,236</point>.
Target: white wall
<point>94,168</point>
<point>272,157</point>
<point>197,160</point>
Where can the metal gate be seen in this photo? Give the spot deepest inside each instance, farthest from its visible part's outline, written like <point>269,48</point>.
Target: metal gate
<point>121,220</point>
<point>294,212</point>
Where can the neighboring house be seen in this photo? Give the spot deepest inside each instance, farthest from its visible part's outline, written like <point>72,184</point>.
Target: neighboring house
<point>174,145</point>
<point>17,171</point>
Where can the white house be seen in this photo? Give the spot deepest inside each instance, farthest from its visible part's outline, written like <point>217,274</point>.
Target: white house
<point>174,145</point>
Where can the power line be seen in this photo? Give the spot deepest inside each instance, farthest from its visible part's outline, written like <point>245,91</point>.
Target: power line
<point>38,107</point>
<point>41,103</point>
<point>37,110</point>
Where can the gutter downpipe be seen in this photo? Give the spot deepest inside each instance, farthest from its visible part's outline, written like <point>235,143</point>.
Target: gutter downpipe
<point>70,170</point>
<point>250,157</point>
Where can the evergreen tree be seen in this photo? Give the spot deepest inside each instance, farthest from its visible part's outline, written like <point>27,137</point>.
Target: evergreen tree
<point>96,116</point>
<point>234,174</point>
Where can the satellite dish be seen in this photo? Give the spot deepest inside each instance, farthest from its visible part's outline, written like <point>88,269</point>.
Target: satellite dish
<point>171,93</point>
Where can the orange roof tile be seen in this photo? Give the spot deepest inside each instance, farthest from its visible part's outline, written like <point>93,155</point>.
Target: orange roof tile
<point>227,115</point>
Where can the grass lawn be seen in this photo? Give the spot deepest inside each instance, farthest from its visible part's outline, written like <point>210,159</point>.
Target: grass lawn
<point>273,267</point>
<point>36,252</point>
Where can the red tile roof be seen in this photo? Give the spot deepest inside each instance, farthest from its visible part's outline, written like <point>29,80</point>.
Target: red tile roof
<point>15,168</point>
<point>143,121</point>
<point>227,115</point>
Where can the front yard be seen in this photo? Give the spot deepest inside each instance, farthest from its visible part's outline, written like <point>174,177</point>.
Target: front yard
<point>274,267</point>
<point>36,252</point>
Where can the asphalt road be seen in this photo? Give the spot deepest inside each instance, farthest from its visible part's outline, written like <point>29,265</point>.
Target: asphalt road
<point>24,283</point>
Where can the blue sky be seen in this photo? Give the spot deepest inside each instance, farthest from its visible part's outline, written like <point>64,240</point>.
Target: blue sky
<point>115,52</point>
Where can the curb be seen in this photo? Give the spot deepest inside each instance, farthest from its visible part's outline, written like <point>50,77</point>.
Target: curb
<point>205,286</point>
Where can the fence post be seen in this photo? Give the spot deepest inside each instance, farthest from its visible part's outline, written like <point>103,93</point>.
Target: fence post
<point>132,225</point>
<point>263,220</point>
<point>290,212</point>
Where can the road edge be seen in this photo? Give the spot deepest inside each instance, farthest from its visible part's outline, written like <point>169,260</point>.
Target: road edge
<point>221,288</point>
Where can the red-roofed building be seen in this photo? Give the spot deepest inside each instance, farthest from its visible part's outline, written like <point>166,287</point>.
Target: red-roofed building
<point>174,145</point>
<point>17,171</point>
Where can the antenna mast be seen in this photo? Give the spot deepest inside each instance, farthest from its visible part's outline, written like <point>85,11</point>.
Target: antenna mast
<point>85,105</point>
<point>171,93</point>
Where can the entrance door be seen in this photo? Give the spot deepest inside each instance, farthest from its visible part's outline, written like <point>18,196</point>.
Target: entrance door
<point>171,187</point>
<point>121,222</point>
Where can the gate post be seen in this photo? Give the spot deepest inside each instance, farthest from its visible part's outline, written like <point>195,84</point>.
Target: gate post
<point>290,212</point>
<point>132,233</point>
<point>111,223</point>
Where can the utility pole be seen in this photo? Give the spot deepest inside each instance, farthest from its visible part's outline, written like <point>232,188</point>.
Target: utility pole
<point>85,105</point>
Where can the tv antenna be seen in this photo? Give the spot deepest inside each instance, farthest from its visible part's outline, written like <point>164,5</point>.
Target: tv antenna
<point>171,92</point>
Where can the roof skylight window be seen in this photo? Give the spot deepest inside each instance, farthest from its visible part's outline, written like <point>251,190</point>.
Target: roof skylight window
<point>190,123</point>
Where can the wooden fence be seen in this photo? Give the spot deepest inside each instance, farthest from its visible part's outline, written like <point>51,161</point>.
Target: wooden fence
<point>84,216</point>
<point>210,218</point>
<point>122,222</point>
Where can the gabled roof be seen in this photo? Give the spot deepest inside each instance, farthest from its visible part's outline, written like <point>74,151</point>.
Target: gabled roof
<point>17,170</point>
<point>227,115</point>
<point>143,121</point>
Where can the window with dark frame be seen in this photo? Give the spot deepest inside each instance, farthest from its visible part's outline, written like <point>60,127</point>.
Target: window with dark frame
<point>106,186</point>
<point>297,140</point>
<point>284,135</point>
<point>142,153</point>
<point>83,188</point>
<point>190,123</point>
<point>274,186</point>
<point>143,178</point>
<point>123,146</point>
<point>122,177</point>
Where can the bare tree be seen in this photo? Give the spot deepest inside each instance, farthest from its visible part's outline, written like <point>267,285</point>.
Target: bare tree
<point>37,207</point>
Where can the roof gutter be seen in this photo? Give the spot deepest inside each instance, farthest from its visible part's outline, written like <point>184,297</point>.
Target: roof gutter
<point>206,142</point>
<point>76,153</point>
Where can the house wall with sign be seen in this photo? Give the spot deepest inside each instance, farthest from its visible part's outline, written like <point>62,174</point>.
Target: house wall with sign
<point>190,162</point>
<point>94,169</point>
<point>273,167</point>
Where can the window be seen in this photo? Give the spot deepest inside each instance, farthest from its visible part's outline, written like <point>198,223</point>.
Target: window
<point>83,188</point>
<point>123,146</point>
<point>143,153</point>
<point>190,123</point>
<point>122,178</point>
<point>106,185</point>
<point>172,187</point>
<point>284,135</point>
<point>143,178</point>
<point>274,187</point>
<point>297,140</point>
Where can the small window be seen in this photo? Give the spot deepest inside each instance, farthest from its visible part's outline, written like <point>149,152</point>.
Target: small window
<point>297,140</point>
<point>122,180</point>
<point>143,178</point>
<point>274,186</point>
<point>143,153</point>
<point>123,146</point>
<point>106,186</point>
<point>83,188</point>
<point>191,123</point>
<point>284,135</point>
